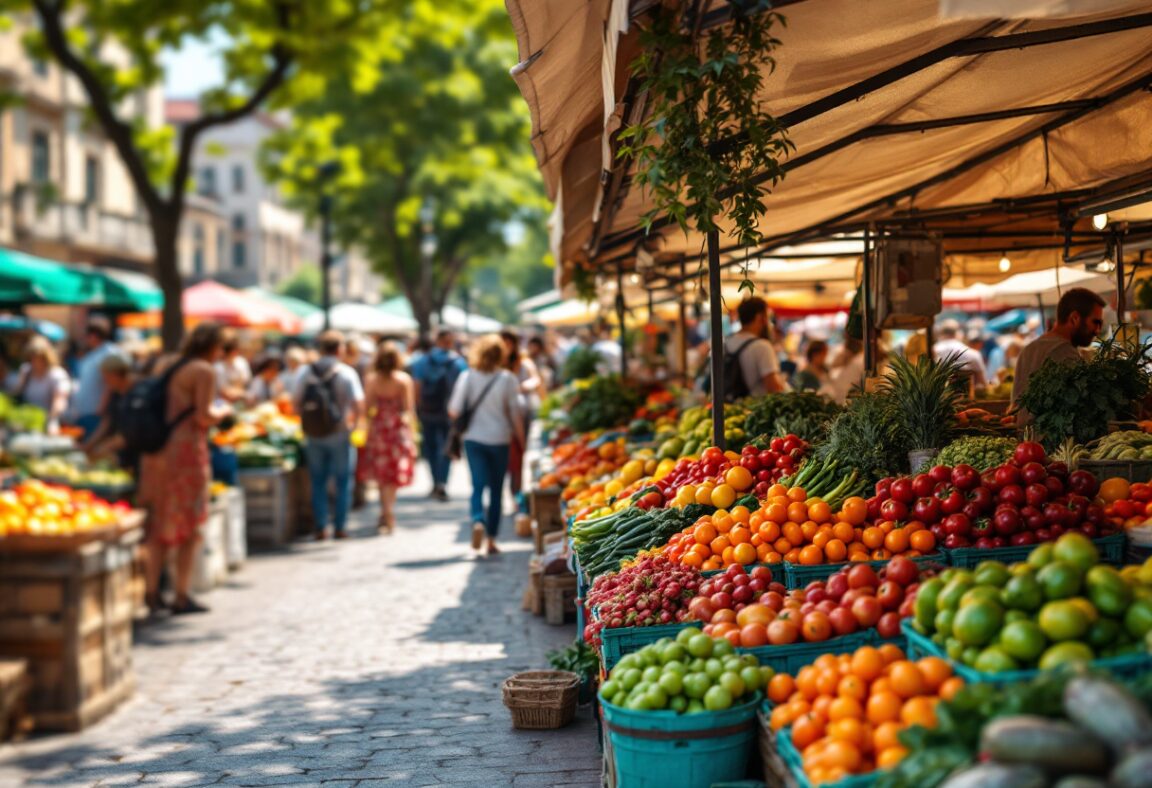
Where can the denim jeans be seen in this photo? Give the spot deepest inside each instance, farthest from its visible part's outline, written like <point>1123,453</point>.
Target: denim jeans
<point>434,435</point>
<point>488,465</point>
<point>331,457</point>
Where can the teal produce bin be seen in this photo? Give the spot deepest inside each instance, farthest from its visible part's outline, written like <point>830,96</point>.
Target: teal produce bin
<point>663,749</point>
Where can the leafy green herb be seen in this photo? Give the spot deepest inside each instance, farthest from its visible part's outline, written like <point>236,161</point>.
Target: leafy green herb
<point>867,437</point>
<point>606,402</point>
<point>581,363</point>
<point>804,410</point>
<point>578,658</point>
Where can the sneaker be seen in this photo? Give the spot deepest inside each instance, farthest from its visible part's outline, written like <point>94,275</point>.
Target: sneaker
<point>478,535</point>
<point>441,495</point>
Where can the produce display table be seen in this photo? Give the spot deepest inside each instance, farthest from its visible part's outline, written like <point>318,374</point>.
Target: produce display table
<point>66,608</point>
<point>267,499</point>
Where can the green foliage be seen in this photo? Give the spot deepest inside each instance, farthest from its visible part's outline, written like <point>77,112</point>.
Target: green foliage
<point>927,393</point>
<point>803,410</point>
<point>706,134</point>
<point>1077,400</point>
<point>579,658</point>
<point>581,363</point>
<point>605,403</point>
<point>438,119</point>
<point>867,435</point>
<point>306,284</point>
<point>980,451</point>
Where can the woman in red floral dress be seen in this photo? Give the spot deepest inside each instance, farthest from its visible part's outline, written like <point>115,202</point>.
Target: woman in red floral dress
<point>174,481</point>
<point>390,451</point>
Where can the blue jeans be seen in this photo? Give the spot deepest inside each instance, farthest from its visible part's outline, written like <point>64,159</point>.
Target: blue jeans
<point>331,457</point>
<point>434,436</point>
<point>489,465</point>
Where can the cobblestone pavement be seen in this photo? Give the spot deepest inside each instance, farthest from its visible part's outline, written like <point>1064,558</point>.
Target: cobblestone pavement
<point>373,661</point>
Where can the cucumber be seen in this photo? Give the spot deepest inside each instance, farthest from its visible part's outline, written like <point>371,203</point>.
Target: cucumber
<point>1108,711</point>
<point>1055,746</point>
<point>997,775</point>
<point>1080,781</point>
<point>1135,771</point>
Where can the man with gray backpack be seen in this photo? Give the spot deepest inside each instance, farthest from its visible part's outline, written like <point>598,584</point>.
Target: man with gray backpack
<point>330,401</point>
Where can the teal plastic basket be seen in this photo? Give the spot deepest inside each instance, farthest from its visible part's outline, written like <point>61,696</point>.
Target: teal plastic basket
<point>792,759</point>
<point>1128,666</point>
<point>1112,549</point>
<point>615,643</point>
<point>800,575</point>
<point>663,749</point>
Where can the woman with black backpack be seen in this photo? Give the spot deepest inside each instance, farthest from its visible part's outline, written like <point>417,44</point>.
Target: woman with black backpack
<point>175,477</point>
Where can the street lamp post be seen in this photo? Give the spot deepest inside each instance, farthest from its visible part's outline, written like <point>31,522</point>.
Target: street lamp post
<point>326,173</point>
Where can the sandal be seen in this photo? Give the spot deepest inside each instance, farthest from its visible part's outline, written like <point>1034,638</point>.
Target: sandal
<point>478,535</point>
<point>188,606</point>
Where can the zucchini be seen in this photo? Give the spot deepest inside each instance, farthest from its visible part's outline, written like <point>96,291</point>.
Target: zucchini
<point>997,775</point>
<point>1109,712</point>
<point>1056,746</point>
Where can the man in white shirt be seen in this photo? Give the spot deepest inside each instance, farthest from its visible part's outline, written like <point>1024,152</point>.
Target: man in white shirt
<point>759,364</point>
<point>948,343</point>
<point>1079,320</point>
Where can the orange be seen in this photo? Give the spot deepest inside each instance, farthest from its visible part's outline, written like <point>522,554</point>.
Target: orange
<point>896,541</point>
<point>854,510</point>
<point>844,532</point>
<point>811,555</point>
<point>835,551</point>
<point>886,735</point>
<point>852,730</point>
<point>845,708</point>
<point>950,687</point>
<point>852,687</point>
<point>867,663</point>
<point>777,513</point>
<point>769,532</point>
<point>744,553</point>
<point>739,535</point>
<point>791,531</point>
<point>843,755</point>
<point>797,494</point>
<point>935,671</point>
<point>889,757</point>
<point>807,729</point>
<point>873,537</point>
<point>780,718</point>
<point>780,687</point>
<point>906,679</point>
<point>704,533</point>
<point>924,541</point>
<point>827,681</point>
<point>819,511</point>
<point>797,511</point>
<point>806,682</point>
<point>891,652</point>
<point>883,707</point>
<point>739,477</point>
<point>919,711</point>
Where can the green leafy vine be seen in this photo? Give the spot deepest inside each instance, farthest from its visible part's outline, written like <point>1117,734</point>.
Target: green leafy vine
<point>707,148</point>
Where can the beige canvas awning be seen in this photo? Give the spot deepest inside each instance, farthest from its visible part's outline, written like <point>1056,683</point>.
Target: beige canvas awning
<point>990,131</point>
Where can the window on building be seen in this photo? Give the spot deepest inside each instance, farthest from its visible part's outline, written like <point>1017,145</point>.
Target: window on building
<point>40,67</point>
<point>221,246</point>
<point>207,181</point>
<point>91,180</point>
<point>239,254</point>
<point>238,178</point>
<point>41,157</point>
<point>197,249</point>
<point>238,223</point>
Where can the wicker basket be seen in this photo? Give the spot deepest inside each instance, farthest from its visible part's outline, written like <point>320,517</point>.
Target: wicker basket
<point>541,699</point>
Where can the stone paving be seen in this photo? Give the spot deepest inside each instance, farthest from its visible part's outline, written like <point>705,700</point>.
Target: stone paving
<point>373,661</point>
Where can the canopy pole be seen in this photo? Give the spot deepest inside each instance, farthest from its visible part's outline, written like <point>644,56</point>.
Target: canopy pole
<point>716,306</point>
<point>620,319</point>
<point>326,258</point>
<point>1121,296</point>
<point>683,320</point>
<point>866,305</point>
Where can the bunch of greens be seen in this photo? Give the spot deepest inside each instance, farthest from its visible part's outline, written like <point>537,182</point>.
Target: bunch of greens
<point>927,394</point>
<point>804,410</point>
<point>581,363</point>
<point>1077,400</point>
<point>868,437</point>
<point>980,451</point>
<point>578,658</point>
<point>606,402</point>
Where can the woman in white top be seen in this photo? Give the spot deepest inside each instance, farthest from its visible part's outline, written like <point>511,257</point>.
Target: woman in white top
<point>491,395</point>
<point>43,382</point>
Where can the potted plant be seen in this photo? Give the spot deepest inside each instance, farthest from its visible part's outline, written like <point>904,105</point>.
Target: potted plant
<point>926,394</point>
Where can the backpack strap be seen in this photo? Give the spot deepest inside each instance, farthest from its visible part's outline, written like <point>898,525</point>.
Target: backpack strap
<point>743,345</point>
<point>484,393</point>
<point>167,378</point>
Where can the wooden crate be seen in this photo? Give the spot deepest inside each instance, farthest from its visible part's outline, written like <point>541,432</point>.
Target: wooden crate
<point>559,592</point>
<point>270,520</point>
<point>544,505</point>
<point>13,698</point>
<point>69,615</point>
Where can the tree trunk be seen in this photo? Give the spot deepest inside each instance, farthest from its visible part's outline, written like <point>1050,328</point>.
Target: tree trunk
<point>165,235</point>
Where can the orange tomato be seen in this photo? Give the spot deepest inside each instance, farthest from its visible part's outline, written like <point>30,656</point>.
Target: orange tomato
<point>950,687</point>
<point>780,718</point>
<point>891,652</point>
<point>798,511</point>
<point>886,735</point>
<point>873,538</point>
<point>792,533</point>
<point>906,679</point>
<point>811,555</point>
<point>739,535</point>
<point>769,531</point>
<point>851,686</point>
<point>777,513</point>
<point>780,687</point>
<point>777,491</point>
<point>797,494</point>
<point>845,707</point>
<point>919,711</point>
<point>704,533</point>
<point>854,510</point>
<point>819,511</point>
<point>867,663</point>
<point>844,532</point>
<point>741,515</point>
<point>935,671</point>
<point>924,541</point>
<point>826,681</point>
<point>843,755</point>
<point>835,551</point>
<point>883,707</point>
<point>753,635</point>
<point>890,756</point>
<point>744,553</point>
<point>719,544</point>
<point>807,729</point>
<point>693,560</point>
<point>806,682</point>
<point>896,541</point>
<point>852,730</point>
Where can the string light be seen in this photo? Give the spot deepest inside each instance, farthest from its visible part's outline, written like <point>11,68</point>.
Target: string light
<point>1100,221</point>
<point>1005,264</point>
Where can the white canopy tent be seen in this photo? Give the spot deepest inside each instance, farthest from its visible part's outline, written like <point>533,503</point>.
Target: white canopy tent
<point>366,319</point>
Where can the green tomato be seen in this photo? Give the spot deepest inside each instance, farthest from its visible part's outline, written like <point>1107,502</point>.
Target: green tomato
<point>701,645</point>
<point>627,663</point>
<point>733,683</point>
<point>672,683</point>
<point>652,674</point>
<point>684,635</point>
<point>678,704</point>
<point>676,666</point>
<point>750,660</point>
<point>609,688</point>
<point>752,677</point>
<point>695,706</point>
<point>696,685</point>
<point>656,697</point>
<point>722,648</point>
<point>630,678</point>
<point>673,652</point>
<point>718,699</point>
<point>714,668</point>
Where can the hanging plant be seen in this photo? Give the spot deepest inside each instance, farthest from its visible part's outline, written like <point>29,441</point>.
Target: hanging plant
<point>707,148</point>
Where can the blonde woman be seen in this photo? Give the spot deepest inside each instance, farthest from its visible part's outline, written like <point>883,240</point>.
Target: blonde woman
<point>489,396</point>
<point>42,382</point>
<point>390,450</point>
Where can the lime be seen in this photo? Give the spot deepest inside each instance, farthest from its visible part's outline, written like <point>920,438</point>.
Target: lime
<point>718,699</point>
<point>1063,653</point>
<point>1076,549</point>
<point>924,608</point>
<point>950,595</point>
<point>994,660</point>
<point>987,593</point>
<point>1023,592</point>
<point>1023,640</point>
<point>1102,633</point>
<point>991,573</point>
<point>700,645</point>
<point>944,621</point>
<point>1063,620</point>
<point>1060,580</point>
<point>977,623</point>
<point>1138,618</point>
<point>1041,555</point>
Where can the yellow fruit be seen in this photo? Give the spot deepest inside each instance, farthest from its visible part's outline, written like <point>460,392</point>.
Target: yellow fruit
<point>723,496</point>
<point>704,494</point>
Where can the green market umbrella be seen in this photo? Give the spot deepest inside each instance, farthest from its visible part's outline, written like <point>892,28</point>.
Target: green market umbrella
<point>302,309</point>
<point>25,279</point>
<point>128,290</point>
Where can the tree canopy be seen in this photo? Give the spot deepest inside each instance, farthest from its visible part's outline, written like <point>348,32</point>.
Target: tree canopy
<point>441,123</point>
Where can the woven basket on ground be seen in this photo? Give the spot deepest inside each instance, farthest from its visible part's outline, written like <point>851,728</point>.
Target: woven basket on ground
<point>541,699</point>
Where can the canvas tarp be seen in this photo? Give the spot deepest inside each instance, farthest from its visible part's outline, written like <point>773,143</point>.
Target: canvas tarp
<point>1080,118</point>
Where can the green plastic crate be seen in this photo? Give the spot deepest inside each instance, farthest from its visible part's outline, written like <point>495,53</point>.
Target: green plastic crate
<point>792,759</point>
<point>1112,549</point>
<point>1130,665</point>
<point>658,749</point>
<point>800,575</point>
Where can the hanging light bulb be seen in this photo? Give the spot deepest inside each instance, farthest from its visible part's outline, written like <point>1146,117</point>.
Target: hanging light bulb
<point>1005,264</point>
<point>634,279</point>
<point>1100,221</point>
